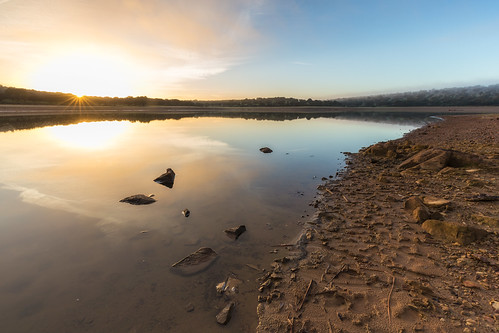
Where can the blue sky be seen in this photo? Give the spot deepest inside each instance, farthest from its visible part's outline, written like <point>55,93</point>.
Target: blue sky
<point>218,49</point>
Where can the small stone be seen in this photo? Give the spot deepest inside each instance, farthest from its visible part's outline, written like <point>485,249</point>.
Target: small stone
<point>266,150</point>
<point>235,232</point>
<point>435,202</point>
<point>223,317</point>
<point>495,305</point>
<point>471,284</point>
<point>186,212</point>
<point>421,214</point>
<point>189,307</point>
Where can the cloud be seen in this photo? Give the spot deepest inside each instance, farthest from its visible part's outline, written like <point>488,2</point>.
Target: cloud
<point>301,63</point>
<point>173,37</point>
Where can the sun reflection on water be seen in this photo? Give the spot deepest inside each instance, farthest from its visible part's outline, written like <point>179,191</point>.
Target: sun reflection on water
<point>92,135</point>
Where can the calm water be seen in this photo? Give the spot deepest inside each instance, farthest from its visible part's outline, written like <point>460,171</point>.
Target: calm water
<point>75,259</point>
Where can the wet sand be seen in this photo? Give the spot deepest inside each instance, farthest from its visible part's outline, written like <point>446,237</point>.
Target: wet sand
<point>398,247</point>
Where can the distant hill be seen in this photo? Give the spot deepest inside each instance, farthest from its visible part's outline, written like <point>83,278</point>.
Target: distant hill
<point>467,96</point>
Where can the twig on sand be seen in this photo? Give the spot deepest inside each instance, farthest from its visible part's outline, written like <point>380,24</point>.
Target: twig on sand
<point>329,326</point>
<point>389,297</point>
<point>338,273</point>
<point>329,191</point>
<point>291,322</point>
<point>306,294</point>
<point>345,198</point>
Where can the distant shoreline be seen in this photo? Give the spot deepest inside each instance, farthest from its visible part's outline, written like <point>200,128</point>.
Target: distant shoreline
<point>27,110</point>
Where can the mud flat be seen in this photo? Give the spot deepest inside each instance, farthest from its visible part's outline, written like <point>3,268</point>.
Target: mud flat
<point>405,239</point>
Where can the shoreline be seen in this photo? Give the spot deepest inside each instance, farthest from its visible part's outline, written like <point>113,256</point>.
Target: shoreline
<point>53,110</point>
<point>367,262</point>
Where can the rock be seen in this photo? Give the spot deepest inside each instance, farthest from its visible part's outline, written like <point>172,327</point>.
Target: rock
<point>223,317</point>
<point>460,159</point>
<point>471,284</point>
<point>139,199</point>
<point>488,220</point>
<point>235,232</point>
<point>430,159</point>
<point>413,203</point>
<point>495,305</point>
<point>195,262</point>
<point>189,307</point>
<point>382,149</point>
<point>186,212</point>
<point>453,232</point>
<point>435,202</point>
<point>266,150</point>
<point>166,179</point>
<point>230,286</point>
<point>421,214</point>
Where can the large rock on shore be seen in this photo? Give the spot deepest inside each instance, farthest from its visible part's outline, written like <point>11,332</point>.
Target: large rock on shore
<point>430,159</point>
<point>195,262</point>
<point>436,159</point>
<point>453,232</point>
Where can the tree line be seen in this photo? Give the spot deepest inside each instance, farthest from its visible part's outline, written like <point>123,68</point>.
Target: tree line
<point>467,96</point>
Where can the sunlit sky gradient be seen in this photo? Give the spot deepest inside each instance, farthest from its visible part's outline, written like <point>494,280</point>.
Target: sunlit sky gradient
<point>219,49</point>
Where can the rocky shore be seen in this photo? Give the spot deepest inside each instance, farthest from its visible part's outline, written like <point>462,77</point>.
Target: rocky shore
<point>405,239</point>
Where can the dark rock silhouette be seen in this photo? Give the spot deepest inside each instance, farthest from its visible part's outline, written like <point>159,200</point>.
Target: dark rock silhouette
<point>139,199</point>
<point>266,150</point>
<point>167,178</point>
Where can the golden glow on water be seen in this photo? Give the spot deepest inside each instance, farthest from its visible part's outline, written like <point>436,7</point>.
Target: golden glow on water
<point>95,135</point>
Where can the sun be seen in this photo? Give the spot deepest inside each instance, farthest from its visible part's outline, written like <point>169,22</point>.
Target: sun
<point>87,72</point>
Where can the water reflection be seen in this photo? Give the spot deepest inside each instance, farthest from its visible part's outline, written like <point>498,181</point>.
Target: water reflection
<point>75,259</point>
<point>93,135</point>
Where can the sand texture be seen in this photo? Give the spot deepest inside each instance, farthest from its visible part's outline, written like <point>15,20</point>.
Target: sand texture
<point>405,239</point>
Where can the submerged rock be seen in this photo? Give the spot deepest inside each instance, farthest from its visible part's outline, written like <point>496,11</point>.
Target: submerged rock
<point>454,232</point>
<point>195,262</point>
<point>230,286</point>
<point>266,150</point>
<point>235,232</point>
<point>223,317</point>
<point>139,199</point>
<point>166,179</point>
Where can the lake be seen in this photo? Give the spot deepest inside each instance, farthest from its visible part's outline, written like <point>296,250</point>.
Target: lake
<point>75,259</point>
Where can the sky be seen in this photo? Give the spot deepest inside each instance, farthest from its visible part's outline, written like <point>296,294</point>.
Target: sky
<point>231,49</point>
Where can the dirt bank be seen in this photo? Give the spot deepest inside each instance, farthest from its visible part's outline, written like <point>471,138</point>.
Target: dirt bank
<point>404,240</point>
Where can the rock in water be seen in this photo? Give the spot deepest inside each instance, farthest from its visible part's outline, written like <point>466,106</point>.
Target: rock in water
<point>266,150</point>
<point>224,316</point>
<point>195,262</point>
<point>166,179</point>
<point>139,199</point>
<point>235,232</point>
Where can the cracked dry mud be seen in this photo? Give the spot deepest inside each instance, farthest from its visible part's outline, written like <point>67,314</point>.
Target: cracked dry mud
<point>368,265</point>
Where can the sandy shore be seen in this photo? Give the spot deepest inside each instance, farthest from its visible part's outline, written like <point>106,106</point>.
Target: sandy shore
<point>405,239</point>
